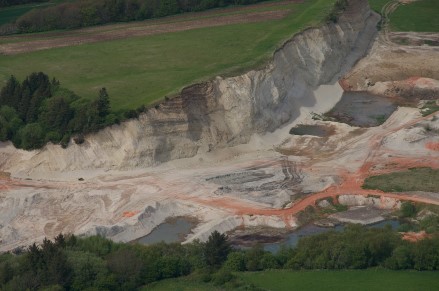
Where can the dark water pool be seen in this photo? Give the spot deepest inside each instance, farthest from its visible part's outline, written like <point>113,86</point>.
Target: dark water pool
<point>172,230</point>
<point>362,109</point>
<point>315,130</point>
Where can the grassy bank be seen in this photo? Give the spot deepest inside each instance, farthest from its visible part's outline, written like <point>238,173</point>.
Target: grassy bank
<point>417,179</point>
<point>140,70</point>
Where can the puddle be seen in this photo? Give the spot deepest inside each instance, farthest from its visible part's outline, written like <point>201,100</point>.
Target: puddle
<point>292,238</point>
<point>172,230</point>
<point>315,130</point>
<point>362,109</point>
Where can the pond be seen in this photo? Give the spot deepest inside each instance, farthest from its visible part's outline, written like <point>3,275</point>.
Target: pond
<point>171,231</point>
<point>362,109</point>
<point>293,238</point>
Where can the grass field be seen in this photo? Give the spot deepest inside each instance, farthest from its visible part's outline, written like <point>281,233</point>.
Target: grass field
<point>419,16</point>
<point>279,280</point>
<point>417,179</point>
<point>374,279</point>
<point>377,5</point>
<point>140,70</point>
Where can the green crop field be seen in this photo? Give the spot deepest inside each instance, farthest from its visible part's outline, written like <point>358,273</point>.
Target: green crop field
<point>419,16</point>
<point>373,279</point>
<point>279,280</point>
<point>417,179</point>
<point>140,70</point>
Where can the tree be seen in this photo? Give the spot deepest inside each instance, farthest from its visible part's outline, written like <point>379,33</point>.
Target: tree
<point>216,249</point>
<point>10,93</point>
<point>31,136</point>
<point>103,103</point>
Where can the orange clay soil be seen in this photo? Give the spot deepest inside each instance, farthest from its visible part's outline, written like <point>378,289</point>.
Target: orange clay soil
<point>195,189</point>
<point>351,183</point>
<point>414,236</point>
<point>434,146</point>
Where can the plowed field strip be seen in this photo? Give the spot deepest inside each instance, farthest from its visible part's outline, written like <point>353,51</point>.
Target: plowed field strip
<point>80,37</point>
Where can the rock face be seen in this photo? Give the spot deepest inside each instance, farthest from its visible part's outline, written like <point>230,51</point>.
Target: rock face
<point>220,113</point>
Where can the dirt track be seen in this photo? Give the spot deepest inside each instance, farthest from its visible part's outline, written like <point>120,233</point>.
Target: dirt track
<point>28,43</point>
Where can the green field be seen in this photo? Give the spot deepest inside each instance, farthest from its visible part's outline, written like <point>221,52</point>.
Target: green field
<point>419,16</point>
<point>140,70</point>
<point>377,5</point>
<point>374,279</point>
<point>278,280</point>
<point>417,179</point>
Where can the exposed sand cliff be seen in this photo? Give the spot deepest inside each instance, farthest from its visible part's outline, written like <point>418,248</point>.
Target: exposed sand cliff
<point>221,113</point>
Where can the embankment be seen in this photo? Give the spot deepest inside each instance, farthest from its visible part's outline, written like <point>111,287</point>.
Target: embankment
<point>220,113</point>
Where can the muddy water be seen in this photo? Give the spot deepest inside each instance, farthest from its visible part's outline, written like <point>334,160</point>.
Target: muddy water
<point>362,109</point>
<point>315,130</point>
<point>293,238</point>
<point>173,230</point>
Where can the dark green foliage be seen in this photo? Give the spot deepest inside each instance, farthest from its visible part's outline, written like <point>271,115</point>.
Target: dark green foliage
<point>337,10</point>
<point>103,103</point>
<point>407,209</point>
<point>216,249</point>
<point>355,248</point>
<point>38,111</point>
<point>84,13</point>
<point>235,262</point>
<point>95,263</point>
<point>6,3</point>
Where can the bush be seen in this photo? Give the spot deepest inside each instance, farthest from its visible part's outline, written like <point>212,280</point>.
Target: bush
<point>235,262</point>
<point>222,276</point>
<point>408,209</point>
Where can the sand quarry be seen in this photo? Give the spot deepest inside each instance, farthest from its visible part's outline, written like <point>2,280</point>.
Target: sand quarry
<point>265,182</point>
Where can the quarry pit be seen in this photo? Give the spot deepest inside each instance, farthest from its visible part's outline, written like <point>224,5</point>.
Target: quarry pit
<point>221,152</point>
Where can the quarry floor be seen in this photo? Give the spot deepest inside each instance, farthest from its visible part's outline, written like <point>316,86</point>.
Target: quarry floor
<point>265,182</point>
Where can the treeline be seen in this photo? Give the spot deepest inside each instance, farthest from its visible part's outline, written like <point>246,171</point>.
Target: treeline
<point>95,263</point>
<point>38,110</point>
<point>84,13</point>
<point>6,3</point>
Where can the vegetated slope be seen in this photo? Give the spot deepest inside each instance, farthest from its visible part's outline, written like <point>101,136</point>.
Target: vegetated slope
<point>38,110</point>
<point>418,16</point>
<point>141,70</point>
<point>417,179</point>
